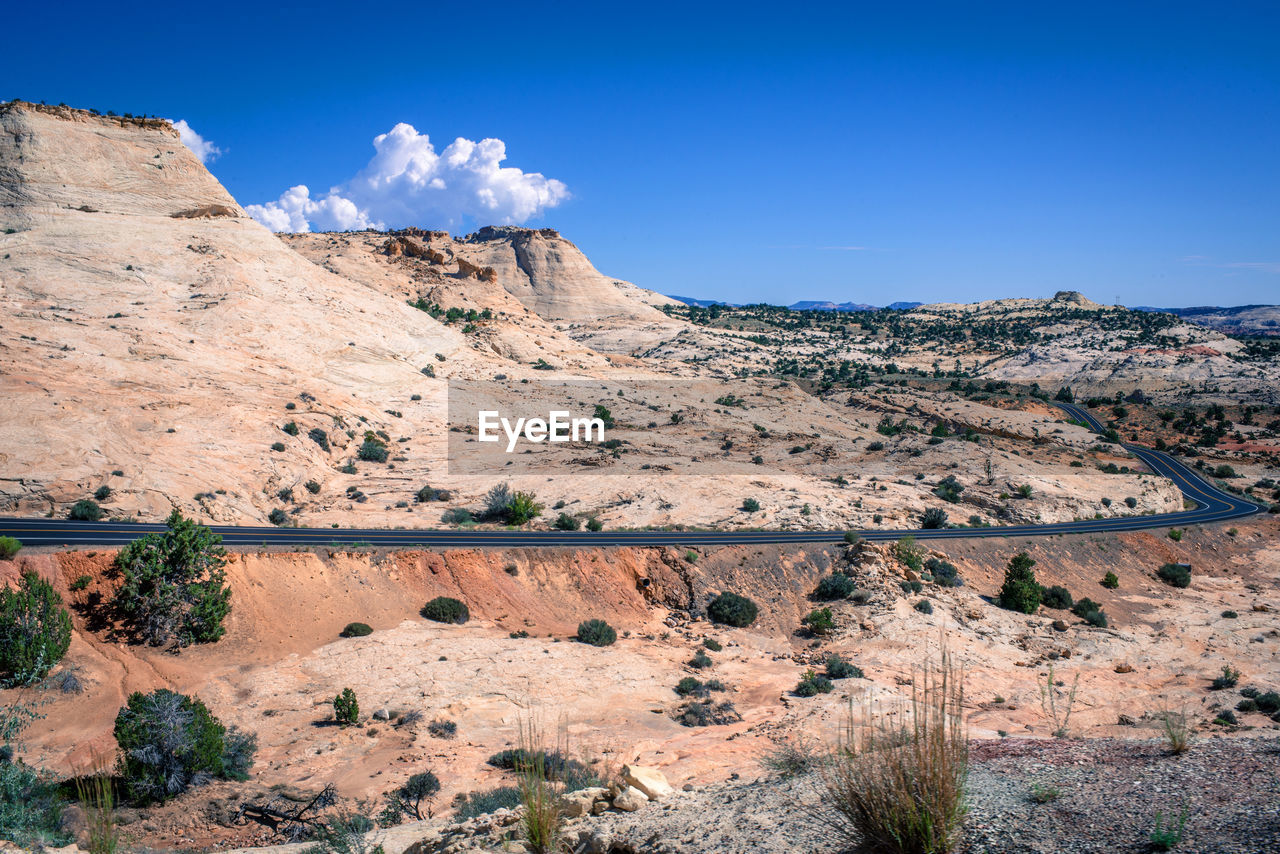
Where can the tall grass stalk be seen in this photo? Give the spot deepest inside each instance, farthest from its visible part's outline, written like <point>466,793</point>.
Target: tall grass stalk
<point>542,819</point>
<point>95,789</point>
<point>899,786</point>
<point>1059,713</point>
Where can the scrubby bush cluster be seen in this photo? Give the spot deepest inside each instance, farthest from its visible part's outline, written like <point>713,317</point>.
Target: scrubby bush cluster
<point>596,633</point>
<point>357,630</point>
<point>834,586</point>
<point>1175,574</point>
<point>813,683</point>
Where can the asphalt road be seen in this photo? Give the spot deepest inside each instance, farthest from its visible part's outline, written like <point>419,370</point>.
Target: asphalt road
<point>1213,505</point>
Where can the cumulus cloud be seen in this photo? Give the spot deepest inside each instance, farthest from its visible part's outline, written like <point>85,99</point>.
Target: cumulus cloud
<point>202,148</point>
<point>409,183</point>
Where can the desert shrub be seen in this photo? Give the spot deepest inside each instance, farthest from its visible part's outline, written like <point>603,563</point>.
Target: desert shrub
<point>523,509</point>
<point>1056,597</point>
<point>31,803</point>
<point>690,687</point>
<point>102,493</point>
<point>1084,606</point>
<point>944,573</point>
<point>596,633</point>
<point>9,548</point>
<point>346,709</point>
<point>320,437</point>
<point>836,585</point>
<point>372,450</point>
<point>35,631</point>
<point>1268,702</point>
<point>1025,491</point>
<point>707,713</point>
<point>277,516</point>
<point>85,510</point>
<point>819,622</point>
<point>476,804</point>
<point>851,537</point>
<point>1247,705</point>
<point>291,428</point>
<point>550,764</point>
<point>712,644</point>
<point>812,684</point>
<point>565,522</point>
<point>443,728</point>
<point>1110,581</point>
<point>794,757</point>
<point>170,742</point>
<point>875,446</point>
<point>457,516</point>
<point>411,799</point>
<point>934,517</point>
<point>1131,502</point>
<point>1020,592</point>
<point>1228,679</point>
<point>750,505</point>
<point>1175,534</point>
<point>732,609</point>
<point>700,660</point>
<point>357,630</point>
<point>1096,618</point>
<point>906,551</point>
<point>446,609</point>
<point>1230,615</point>
<point>497,500</point>
<point>924,606</point>
<point>312,486</point>
<point>1175,574</point>
<point>277,446</point>
<point>173,587</point>
<point>900,787</point>
<point>948,489</point>
<point>838,668</point>
<point>594,524</point>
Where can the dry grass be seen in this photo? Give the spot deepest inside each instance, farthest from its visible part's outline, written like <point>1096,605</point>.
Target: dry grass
<point>1176,727</point>
<point>900,787</point>
<point>1055,708</point>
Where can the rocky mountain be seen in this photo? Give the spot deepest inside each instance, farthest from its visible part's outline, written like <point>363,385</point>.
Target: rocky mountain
<point>1235,320</point>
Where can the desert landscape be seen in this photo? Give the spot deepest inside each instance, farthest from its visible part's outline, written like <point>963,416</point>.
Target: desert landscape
<point>988,576</point>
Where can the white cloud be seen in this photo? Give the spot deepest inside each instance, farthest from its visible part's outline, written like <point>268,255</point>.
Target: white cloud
<point>203,149</point>
<point>409,183</point>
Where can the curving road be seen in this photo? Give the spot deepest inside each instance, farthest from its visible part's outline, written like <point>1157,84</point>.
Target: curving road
<point>1212,505</point>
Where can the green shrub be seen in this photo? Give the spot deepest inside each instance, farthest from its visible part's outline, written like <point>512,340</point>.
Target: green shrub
<point>565,522</point>
<point>173,585</point>
<point>712,644</point>
<point>9,548</point>
<point>357,630</point>
<point>731,609</point>
<point>411,799</point>
<point>85,510</point>
<point>81,583</point>
<point>35,631</point>
<point>277,516</point>
<point>596,633</point>
<point>523,509</point>
<point>700,660</point>
<point>170,742</point>
<point>819,621</point>
<point>851,537</point>
<point>320,437</point>
<point>750,505</point>
<point>924,606</point>
<point>948,489</point>
<point>838,668</point>
<point>1056,597</point>
<point>594,524</point>
<point>689,687</point>
<point>1175,574</point>
<point>31,803</point>
<point>1084,606</point>
<point>372,450</point>
<point>1268,702</point>
<point>1020,591</point>
<point>834,586</point>
<point>291,428</point>
<point>312,486</point>
<point>102,493</point>
<point>1096,618</point>
<point>1247,705</point>
<point>812,684</point>
<point>944,573</point>
<point>1175,534</point>
<point>1110,581</point>
<point>906,551</point>
<point>1228,679</point>
<point>346,710</point>
<point>445,609</point>
<point>277,446</point>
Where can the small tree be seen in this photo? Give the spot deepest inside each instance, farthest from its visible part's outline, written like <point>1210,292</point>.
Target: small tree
<point>346,711</point>
<point>1020,591</point>
<point>173,589</point>
<point>170,742</point>
<point>35,631</point>
<point>523,508</point>
<point>412,799</point>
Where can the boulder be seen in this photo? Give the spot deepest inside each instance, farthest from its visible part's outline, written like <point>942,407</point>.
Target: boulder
<point>630,799</point>
<point>648,780</point>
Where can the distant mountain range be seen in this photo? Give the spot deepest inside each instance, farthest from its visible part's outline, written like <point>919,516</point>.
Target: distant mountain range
<point>1234,320</point>
<point>807,305</point>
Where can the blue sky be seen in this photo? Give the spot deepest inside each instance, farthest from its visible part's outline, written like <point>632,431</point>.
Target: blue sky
<point>856,152</point>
